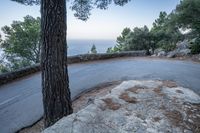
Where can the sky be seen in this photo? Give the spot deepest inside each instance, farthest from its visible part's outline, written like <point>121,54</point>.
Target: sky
<point>102,24</point>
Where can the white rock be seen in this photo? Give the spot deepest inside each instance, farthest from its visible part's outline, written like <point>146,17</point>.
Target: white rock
<point>171,54</point>
<point>162,53</point>
<point>141,115</point>
<point>182,45</point>
<point>187,95</point>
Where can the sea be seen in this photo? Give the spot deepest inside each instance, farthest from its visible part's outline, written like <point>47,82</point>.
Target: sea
<point>76,47</point>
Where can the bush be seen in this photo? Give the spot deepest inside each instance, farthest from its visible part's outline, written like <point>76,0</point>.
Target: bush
<point>3,69</point>
<point>195,47</point>
<point>169,47</point>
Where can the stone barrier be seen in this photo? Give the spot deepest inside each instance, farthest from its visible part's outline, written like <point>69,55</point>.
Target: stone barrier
<point>10,76</point>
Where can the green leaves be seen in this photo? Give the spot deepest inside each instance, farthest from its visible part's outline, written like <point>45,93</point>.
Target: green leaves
<point>22,42</point>
<point>102,4</point>
<point>28,2</point>
<point>93,49</point>
<point>187,14</point>
<point>195,47</point>
<point>121,2</point>
<point>82,8</point>
<point>164,33</point>
<point>138,39</point>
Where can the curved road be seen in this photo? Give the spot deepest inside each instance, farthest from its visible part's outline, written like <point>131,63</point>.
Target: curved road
<point>21,100</point>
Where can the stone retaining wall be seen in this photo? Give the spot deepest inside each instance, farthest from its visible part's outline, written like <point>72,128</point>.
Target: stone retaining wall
<point>93,57</point>
<point>10,76</point>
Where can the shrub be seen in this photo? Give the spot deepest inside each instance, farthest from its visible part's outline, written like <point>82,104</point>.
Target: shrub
<point>195,46</point>
<point>169,47</point>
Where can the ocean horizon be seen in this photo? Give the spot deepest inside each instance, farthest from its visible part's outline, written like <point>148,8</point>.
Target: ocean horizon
<point>80,46</point>
<point>76,46</point>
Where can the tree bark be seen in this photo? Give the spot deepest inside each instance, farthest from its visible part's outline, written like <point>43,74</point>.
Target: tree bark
<point>55,83</point>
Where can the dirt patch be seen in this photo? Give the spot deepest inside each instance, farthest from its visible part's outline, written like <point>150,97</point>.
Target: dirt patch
<point>175,117</point>
<point>189,122</point>
<point>193,117</point>
<point>88,97</point>
<point>36,128</point>
<point>111,105</point>
<point>169,84</point>
<point>158,91</point>
<point>193,58</point>
<point>127,98</point>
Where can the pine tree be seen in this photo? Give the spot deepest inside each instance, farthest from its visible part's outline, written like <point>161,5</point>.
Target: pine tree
<point>55,83</point>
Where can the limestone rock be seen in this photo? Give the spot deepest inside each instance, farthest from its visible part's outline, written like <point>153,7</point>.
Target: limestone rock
<point>161,54</point>
<point>139,107</point>
<point>182,45</point>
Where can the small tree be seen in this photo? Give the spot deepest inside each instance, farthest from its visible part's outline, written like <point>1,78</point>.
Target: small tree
<point>122,39</point>
<point>165,32</point>
<point>22,44</point>
<point>93,49</point>
<point>138,39</point>
<point>109,50</point>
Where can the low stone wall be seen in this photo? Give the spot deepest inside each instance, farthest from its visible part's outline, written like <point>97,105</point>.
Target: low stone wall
<point>93,57</point>
<point>10,76</point>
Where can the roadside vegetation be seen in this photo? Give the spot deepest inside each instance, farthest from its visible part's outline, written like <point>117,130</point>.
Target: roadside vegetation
<point>21,46</point>
<point>183,23</point>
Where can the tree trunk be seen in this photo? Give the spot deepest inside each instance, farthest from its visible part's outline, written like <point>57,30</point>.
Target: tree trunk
<point>55,84</point>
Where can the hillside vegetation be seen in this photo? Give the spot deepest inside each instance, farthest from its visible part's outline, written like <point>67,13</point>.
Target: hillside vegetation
<point>183,23</point>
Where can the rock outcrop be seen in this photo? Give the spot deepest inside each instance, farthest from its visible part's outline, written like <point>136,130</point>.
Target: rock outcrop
<point>137,106</point>
<point>182,49</point>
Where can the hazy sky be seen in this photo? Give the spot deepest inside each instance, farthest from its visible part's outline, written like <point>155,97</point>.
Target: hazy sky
<point>103,24</point>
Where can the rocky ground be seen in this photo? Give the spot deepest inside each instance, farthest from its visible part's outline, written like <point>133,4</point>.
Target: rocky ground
<point>135,106</point>
<point>79,103</point>
<point>182,52</point>
<point>161,108</point>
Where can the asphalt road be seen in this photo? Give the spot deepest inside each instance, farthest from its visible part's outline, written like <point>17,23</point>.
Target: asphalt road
<point>21,100</point>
